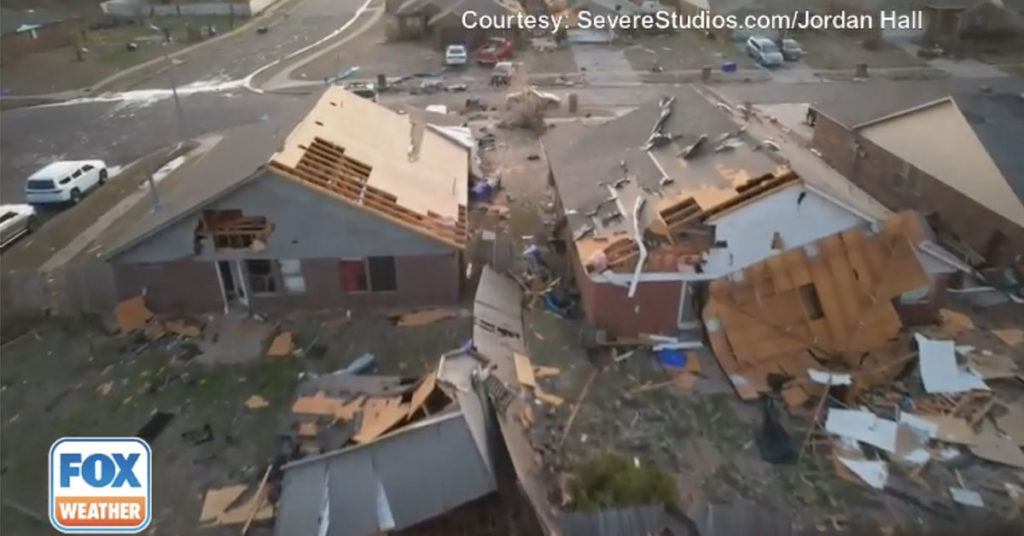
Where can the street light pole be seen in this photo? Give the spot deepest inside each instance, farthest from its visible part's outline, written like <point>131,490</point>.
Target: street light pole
<point>154,194</point>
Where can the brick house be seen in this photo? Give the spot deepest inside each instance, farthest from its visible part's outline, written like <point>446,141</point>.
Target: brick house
<point>358,207</point>
<point>955,159</point>
<point>646,226</point>
<point>441,21</point>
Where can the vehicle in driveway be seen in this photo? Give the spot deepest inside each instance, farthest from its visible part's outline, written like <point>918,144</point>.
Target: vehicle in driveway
<point>791,49</point>
<point>764,51</point>
<point>456,56</point>
<point>497,49</point>
<point>15,221</point>
<point>65,181</point>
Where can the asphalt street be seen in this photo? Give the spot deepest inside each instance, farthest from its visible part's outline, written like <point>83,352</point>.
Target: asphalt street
<point>117,132</point>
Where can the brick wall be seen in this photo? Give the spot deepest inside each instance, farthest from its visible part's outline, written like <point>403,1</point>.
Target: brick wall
<point>182,286</point>
<point>877,172</point>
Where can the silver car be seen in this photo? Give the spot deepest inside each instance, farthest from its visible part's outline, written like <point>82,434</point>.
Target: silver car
<point>15,222</point>
<point>764,51</point>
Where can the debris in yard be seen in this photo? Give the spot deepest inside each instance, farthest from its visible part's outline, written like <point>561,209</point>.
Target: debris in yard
<point>423,391</point>
<point>942,427</point>
<point>863,426</point>
<point>547,398</point>
<point>104,388</point>
<point>321,404</point>
<point>1012,423</point>
<point>772,440</point>
<point>307,429</point>
<point>992,366</point>
<point>966,497</point>
<point>154,331</point>
<point>1011,337</point>
<point>954,323</point>
<point>873,473</point>
<point>198,436</point>
<point>154,426</point>
<point>678,359</point>
<point>217,507</point>
<point>256,402</point>
<point>998,448</point>
<point>541,371</point>
<point>182,328</point>
<point>579,402</point>
<point>939,370</point>
<point>524,370</point>
<point>422,318</point>
<point>132,314</point>
<point>361,364</point>
<point>379,416</point>
<point>829,378</point>
<point>282,345</point>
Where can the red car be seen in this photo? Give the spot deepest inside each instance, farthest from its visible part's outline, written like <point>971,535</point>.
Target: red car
<point>497,49</point>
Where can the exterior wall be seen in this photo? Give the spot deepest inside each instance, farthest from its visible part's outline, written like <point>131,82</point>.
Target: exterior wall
<point>163,285</point>
<point>57,35</point>
<point>875,171</point>
<point>798,215</point>
<point>308,226</point>
<point>926,311</point>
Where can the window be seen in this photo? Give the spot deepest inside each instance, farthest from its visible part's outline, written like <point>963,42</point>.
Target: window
<point>65,180</point>
<point>88,167</point>
<point>812,303</point>
<point>291,276</point>
<point>7,216</point>
<point>353,275</point>
<point>382,274</point>
<point>76,174</point>
<point>262,279</point>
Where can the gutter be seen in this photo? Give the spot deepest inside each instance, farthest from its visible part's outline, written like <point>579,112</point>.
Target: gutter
<point>638,208</point>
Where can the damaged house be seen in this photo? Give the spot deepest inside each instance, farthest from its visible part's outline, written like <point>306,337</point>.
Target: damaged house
<point>660,201</point>
<point>358,206</point>
<point>442,20</point>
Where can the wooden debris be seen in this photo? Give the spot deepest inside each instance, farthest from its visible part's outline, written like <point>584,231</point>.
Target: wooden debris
<point>282,345</point>
<point>104,388</point>
<point>547,398</point>
<point>307,429</point>
<point>217,507</point>
<point>526,416</point>
<point>132,314</point>
<point>992,366</point>
<point>256,402</point>
<point>579,402</point>
<point>541,371</point>
<point>379,416</point>
<point>954,323</point>
<point>423,391</point>
<point>524,370</point>
<point>422,318</point>
<point>1012,337</point>
<point>997,448</point>
<point>259,500</point>
<point>1012,423</point>
<point>321,404</point>
<point>182,328</point>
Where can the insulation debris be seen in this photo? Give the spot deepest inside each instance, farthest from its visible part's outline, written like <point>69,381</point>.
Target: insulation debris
<point>256,402</point>
<point>872,473</point>
<point>132,314</point>
<point>939,370</point>
<point>422,318</point>
<point>282,345</point>
<point>966,497</point>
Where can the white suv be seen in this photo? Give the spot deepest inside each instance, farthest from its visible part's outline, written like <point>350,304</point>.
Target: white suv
<point>67,181</point>
<point>456,56</point>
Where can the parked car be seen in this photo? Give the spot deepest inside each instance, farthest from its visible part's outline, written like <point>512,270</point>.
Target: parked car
<point>502,73</point>
<point>15,222</point>
<point>791,49</point>
<point>497,49</point>
<point>65,181</point>
<point>764,51</point>
<point>456,56</point>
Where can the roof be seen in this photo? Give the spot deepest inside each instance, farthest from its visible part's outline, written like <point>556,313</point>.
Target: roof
<point>238,156</point>
<point>936,138</point>
<point>481,7</point>
<point>398,480</point>
<point>998,122</point>
<point>630,521</point>
<point>56,169</point>
<point>424,7</point>
<point>397,168</point>
<point>588,161</point>
<point>949,4</point>
<point>15,21</point>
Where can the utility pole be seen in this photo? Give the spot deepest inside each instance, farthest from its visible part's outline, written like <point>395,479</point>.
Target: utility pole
<point>176,133</point>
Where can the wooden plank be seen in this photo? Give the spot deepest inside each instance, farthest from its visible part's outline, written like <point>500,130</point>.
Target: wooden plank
<point>524,370</point>
<point>824,286</point>
<point>379,416</point>
<point>423,391</point>
<point>259,500</point>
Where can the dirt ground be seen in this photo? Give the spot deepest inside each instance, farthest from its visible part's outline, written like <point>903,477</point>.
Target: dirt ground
<point>71,378</point>
<point>682,50</point>
<point>59,70</point>
<point>838,50</point>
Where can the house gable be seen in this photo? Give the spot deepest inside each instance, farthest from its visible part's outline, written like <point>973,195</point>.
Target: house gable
<point>305,224</point>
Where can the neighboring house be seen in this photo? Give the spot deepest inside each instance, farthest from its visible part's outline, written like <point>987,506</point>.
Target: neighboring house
<point>950,22</point>
<point>23,32</point>
<point>359,207</point>
<point>442,20</point>
<point>956,159</point>
<point>646,229</point>
<point>742,8</point>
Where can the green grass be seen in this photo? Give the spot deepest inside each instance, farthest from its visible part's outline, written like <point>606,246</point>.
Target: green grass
<point>611,480</point>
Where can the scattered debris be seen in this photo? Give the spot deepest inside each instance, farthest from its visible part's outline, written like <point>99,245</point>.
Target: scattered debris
<point>954,323</point>
<point>361,364</point>
<point>547,398</point>
<point>132,314</point>
<point>1011,337</point>
<point>541,371</point>
<point>198,436</point>
<point>939,370</point>
<point>998,448</point>
<point>156,424</point>
<point>873,473</point>
<point>219,507</point>
<point>422,318</point>
<point>104,388</point>
<point>282,345</point>
<point>773,442</point>
<point>256,402</point>
<point>379,416</point>
<point>182,328</point>
<point>524,371</point>
<point>966,497</point>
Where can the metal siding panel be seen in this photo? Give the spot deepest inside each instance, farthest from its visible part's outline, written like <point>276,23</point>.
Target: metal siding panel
<point>469,470</point>
<point>297,512</point>
<point>410,468</point>
<point>353,495</point>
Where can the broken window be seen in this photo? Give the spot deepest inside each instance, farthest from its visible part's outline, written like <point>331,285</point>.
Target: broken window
<point>812,304</point>
<point>382,274</point>
<point>291,276</point>
<point>353,275</point>
<point>262,279</point>
<point>231,229</point>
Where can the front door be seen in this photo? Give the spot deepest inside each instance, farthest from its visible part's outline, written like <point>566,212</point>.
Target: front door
<point>232,280</point>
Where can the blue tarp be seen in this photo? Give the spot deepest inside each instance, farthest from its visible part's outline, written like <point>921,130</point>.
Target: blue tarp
<point>672,358</point>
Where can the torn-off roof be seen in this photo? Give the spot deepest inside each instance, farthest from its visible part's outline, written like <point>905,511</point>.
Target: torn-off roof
<point>374,158</point>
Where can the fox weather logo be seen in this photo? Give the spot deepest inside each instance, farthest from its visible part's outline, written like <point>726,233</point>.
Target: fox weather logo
<point>100,485</point>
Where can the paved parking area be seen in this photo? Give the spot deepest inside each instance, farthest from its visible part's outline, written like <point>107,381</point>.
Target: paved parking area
<point>682,50</point>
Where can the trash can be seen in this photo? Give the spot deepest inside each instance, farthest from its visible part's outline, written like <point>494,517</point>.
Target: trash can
<point>729,67</point>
